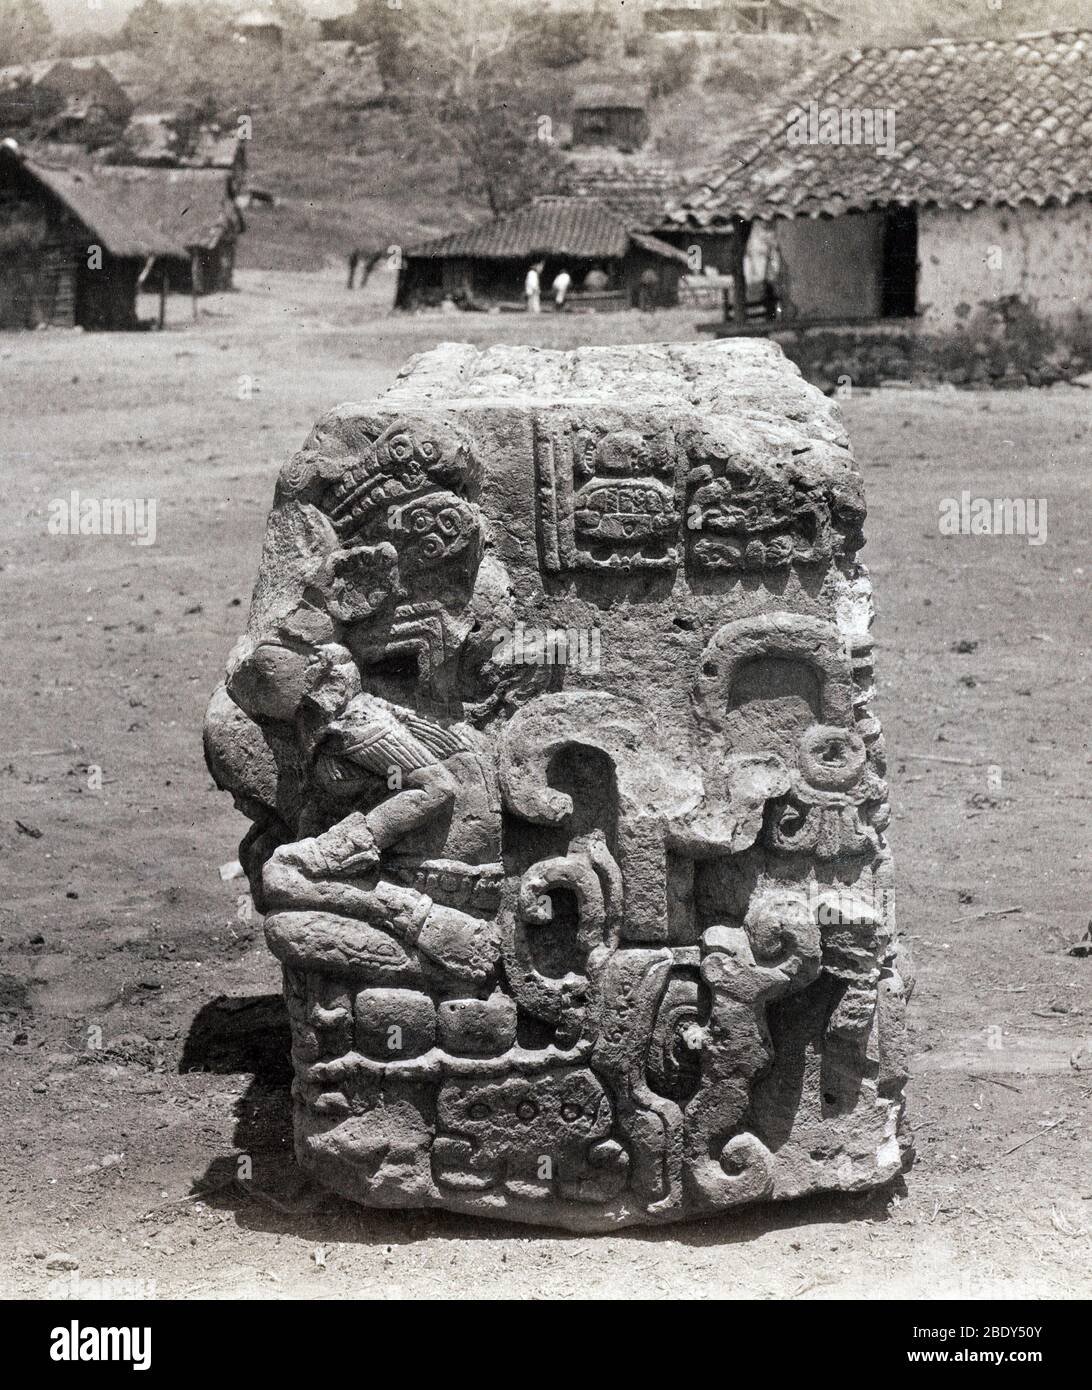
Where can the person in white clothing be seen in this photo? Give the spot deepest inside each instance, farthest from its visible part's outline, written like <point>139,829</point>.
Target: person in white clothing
<point>532,288</point>
<point>560,288</point>
<point>762,267</point>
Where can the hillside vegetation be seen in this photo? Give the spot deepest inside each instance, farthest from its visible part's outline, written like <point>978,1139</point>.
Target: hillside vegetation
<point>433,113</point>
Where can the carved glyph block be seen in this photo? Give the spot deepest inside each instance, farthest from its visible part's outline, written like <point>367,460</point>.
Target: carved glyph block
<point>553,722</point>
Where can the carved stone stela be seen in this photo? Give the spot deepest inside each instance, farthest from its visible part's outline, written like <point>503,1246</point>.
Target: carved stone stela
<point>553,722</point>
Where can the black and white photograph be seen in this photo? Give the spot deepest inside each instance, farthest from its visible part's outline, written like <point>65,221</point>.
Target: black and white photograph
<point>545,686</point>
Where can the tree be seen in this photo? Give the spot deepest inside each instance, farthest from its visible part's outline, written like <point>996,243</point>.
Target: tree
<point>25,31</point>
<point>497,135</point>
<point>148,26</point>
<point>193,61</point>
<point>562,40</point>
<point>676,69</point>
<point>463,86</point>
<point>438,47</point>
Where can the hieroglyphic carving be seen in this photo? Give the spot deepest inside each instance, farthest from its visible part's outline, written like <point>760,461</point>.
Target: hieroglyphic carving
<point>568,945</point>
<point>538,1137</point>
<point>607,498</point>
<point>758,499</point>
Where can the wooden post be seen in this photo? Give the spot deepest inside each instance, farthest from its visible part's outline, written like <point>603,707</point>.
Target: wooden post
<point>739,279</point>
<point>193,283</point>
<point>162,293</point>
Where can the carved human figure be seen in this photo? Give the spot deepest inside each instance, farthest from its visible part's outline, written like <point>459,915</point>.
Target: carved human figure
<point>359,748</point>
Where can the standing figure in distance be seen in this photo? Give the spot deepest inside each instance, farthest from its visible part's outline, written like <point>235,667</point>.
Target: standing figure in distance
<point>560,287</point>
<point>532,288</point>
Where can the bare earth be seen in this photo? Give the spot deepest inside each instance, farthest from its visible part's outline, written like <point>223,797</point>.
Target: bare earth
<point>142,1045</point>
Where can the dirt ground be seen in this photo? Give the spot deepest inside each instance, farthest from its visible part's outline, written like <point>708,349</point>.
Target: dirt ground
<point>141,1040</point>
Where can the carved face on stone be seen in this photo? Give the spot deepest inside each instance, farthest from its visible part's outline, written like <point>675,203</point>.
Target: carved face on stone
<point>401,576</point>
<point>619,453</point>
<point>757,500</point>
<point>837,802</point>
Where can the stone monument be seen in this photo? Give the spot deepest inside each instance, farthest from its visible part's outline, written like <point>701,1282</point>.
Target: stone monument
<point>553,722</point>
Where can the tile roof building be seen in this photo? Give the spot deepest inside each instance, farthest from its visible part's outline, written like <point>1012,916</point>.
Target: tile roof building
<point>551,225</point>
<point>487,263</point>
<point>925,180</point>
<point>638,187</point>
<point>642,189</point>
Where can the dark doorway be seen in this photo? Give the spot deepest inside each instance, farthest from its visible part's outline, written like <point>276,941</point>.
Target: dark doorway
<point>899,283</point>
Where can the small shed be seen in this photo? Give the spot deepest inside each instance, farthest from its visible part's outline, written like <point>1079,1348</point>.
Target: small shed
<point>78,242</point>
<point>683,16</point>
<point>611,115</point>
<point>486,265</point>
<point>781,17</point>
<point>258,27</point>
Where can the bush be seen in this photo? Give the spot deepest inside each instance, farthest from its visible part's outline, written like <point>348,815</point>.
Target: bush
<point>25,31</point>
<point>756,65</point>
<point>676,69</point>
<point>559,41</point>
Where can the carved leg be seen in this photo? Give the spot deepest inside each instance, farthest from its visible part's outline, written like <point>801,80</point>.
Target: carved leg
<point>467,947</point>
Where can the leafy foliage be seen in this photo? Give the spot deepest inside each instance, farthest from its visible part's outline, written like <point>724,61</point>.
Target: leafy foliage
<point>494,134</point>
<point>559,41</point>
<point>463,82</point>
<point>676,68</point>
<point>25,31</point>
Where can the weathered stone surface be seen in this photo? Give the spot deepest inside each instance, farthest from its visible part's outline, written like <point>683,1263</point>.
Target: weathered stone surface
<point>553,719</point>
